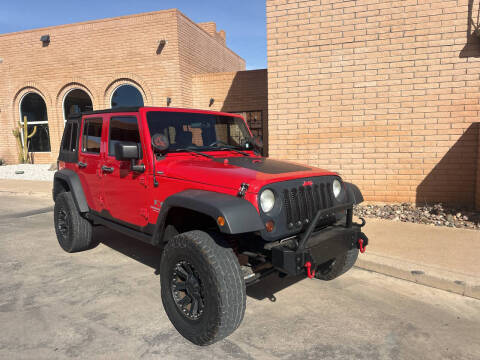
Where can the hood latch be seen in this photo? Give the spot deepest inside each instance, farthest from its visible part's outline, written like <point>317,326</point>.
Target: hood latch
<point>243,189</point>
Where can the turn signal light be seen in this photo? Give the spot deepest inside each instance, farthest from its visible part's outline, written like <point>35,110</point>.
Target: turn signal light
<point>269,225</point>
<point>221,220</point>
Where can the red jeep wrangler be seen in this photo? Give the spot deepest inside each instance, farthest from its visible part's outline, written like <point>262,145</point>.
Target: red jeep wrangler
<point>193,183</point>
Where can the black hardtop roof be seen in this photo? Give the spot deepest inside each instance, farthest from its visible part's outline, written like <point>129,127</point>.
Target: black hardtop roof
<point>105,111</point>
<point>77,116</point>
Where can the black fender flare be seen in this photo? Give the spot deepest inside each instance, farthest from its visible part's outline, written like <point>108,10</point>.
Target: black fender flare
<point>239,214</point>
<point>73,181</point>
<point>354,194</point>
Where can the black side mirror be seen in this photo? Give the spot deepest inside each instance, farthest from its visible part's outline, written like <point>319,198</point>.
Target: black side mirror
<point>258,142</point>
<point>126,151</point>
<point>255,144</point>
<point>160,142</point>
<point>129,151</point>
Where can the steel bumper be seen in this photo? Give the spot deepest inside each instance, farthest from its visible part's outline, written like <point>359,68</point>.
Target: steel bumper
<point>318,247</point>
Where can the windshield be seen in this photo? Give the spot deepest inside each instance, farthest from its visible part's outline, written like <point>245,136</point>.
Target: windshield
<point>198,131</point>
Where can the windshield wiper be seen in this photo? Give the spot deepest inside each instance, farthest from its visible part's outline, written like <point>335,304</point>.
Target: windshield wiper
<point>195,152</point>
<point>225,146</point>
<point>234,149</point>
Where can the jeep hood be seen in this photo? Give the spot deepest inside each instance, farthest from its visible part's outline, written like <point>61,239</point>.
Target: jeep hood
<point>231,172</point>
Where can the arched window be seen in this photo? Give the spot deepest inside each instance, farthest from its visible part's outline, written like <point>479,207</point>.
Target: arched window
<point>34,109</point>
<point>76,101</point>
<point>126,95</point>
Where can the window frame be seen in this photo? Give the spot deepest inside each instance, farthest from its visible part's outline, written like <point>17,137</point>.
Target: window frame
<point>65,117</point>
<point>42,122</point>
<point>84,122</point>
<point>140,91</point>
<point>110,133</point>
<point>67,128</point>
<point>171,149</point>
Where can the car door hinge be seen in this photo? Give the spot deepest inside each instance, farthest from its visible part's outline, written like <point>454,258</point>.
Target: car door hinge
<point>142,181</point>
<point>144,213</point>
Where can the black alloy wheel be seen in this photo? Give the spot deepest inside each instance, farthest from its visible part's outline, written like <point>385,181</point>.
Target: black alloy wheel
<point>187,290</point>
<point>74,232</point>
<point>203,291</point>
<point>63,224</point>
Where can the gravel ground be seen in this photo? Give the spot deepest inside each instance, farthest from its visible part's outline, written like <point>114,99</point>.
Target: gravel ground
<point>30,172</point>
<point>435,214</point>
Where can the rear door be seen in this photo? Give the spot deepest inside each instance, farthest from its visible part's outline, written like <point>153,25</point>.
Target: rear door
<point>126,191</point>
<point>90,160</point>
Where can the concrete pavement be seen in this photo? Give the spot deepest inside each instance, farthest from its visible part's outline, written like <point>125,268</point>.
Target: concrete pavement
<point>105,304</point>
<point>26,187</point>
<point>440,257</point>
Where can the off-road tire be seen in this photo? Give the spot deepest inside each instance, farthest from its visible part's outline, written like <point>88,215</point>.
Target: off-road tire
<point>220,276</point>
<point>78,235</point>
<point>338,266</point>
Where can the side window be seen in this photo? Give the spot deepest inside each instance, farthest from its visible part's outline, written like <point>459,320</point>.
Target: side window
<point>92,133</point>
<point>69,141</point>
<point>122,129</point>
<point>74,141</point>
<point>67,137</point>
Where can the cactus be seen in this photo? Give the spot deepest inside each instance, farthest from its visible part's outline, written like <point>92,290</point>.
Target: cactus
<point>23,156</point>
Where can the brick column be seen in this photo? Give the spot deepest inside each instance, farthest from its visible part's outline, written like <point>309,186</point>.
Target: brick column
<point>477,195</point>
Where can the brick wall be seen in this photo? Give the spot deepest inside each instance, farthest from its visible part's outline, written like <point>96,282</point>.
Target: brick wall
<point>477,195</point>
<point>211,29</point>
<point>201,52</point>
<point>97,57</point>
<point>233,92</point>
<point>384,92</point>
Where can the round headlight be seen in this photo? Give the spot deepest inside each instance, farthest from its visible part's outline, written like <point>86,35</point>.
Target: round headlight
<point>267,200</point>
<point>337,188</point>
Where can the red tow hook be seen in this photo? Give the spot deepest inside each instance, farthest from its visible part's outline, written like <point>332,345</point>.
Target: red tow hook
<point>360,245</point>
<point>310,273</point>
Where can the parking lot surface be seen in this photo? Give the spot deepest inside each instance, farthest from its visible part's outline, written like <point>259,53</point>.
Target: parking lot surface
<point>105,304</point>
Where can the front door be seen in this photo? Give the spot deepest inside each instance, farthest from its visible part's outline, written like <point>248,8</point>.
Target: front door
<point>126,191</point>
<point>90,160</point>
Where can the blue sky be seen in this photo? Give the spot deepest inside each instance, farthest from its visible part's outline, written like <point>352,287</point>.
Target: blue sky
<point>244,21</point>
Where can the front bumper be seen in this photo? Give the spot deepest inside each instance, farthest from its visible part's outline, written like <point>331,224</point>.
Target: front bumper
<point>318,247</point>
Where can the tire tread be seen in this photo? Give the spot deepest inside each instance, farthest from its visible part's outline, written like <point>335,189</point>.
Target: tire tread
<point>225,270</point>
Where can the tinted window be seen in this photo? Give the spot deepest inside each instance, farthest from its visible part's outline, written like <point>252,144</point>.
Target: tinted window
<point>126,95</point>
<point>205,131</point>
<point>34,110</point>
<point>74,141</point>
<point>69,141</point>
<point>92,133</point>
<point>67,137</point>
<point>122,129</point>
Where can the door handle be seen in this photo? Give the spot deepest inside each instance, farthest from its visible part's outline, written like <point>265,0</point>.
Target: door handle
<point>82,165</point>
<point>107,169</point>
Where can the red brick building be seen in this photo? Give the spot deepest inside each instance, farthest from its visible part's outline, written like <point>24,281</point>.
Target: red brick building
<point>160,58</point>
<point>384,92</point>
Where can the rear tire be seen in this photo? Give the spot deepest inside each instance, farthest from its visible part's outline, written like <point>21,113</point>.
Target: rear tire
<point>74,232</point>
<point>203,291</point>
<point>338,266</point>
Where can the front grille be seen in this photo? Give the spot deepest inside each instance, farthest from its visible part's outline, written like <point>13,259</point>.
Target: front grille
<point>302,203</point>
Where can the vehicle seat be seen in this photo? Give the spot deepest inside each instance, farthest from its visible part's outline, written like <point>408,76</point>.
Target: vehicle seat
<point>183,139</point>
<point>208,136</point>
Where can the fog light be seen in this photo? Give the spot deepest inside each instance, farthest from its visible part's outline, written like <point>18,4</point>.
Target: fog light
<point>221,220</point>
<point>269,225</point>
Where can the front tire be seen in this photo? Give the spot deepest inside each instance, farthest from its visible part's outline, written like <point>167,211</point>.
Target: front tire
<point>74,232</point>
<point>203,291</point>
